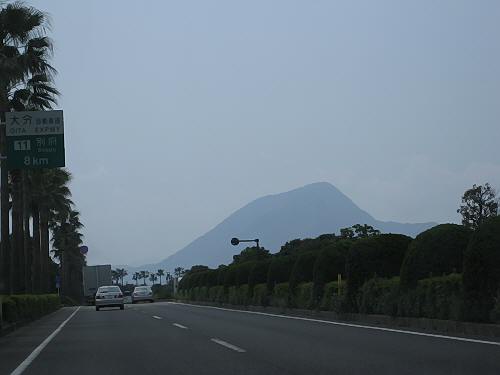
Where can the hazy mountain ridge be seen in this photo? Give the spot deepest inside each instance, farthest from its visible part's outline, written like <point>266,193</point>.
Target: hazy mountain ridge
<point>305,212</point>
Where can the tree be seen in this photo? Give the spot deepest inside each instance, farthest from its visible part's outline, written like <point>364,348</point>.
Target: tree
<point>25,51</point>
<point>153,278</point>
<point>136,278</point>
<point>144,276</point>
<point>115,276</point>
<point>481,274</point>
<point>179,272</point>
<point>358,231</point>
<point>251,254</point>
<point>478,204</point>
<point>160,273</point>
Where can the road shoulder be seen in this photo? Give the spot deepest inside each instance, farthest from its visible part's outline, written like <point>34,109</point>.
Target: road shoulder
<point>17,345</point>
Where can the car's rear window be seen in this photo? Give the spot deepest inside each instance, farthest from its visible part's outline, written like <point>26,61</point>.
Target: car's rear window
<point>109,289</point>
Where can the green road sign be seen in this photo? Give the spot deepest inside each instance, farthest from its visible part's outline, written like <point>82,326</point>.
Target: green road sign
<point>35,139</point>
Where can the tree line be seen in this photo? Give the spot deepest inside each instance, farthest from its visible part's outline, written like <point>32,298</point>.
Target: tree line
<point>118,274</point>
<point>449,271</point>
<point>36,206</point>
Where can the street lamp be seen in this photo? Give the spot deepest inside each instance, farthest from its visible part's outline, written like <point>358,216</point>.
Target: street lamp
<point>236,241</point>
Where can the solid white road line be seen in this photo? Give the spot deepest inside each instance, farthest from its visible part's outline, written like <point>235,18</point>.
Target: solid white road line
<point>347,324</point>
<point>228,345</point>
<point>157,317</point>
<point>179,326</point>
<point>24,364</point>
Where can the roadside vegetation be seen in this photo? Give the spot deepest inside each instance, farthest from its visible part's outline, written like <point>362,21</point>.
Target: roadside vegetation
<point>40,226</point>
<point>449,271</point>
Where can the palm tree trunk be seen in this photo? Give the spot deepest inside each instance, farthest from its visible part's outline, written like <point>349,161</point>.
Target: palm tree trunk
<point>44,249</point>
<point>28,254</point>
<point>36,249</point>
<point>5,253</point>
<point>17,230</point>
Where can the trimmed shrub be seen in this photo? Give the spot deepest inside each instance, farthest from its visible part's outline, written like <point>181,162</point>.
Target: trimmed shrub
<point>329,263</point>
<point>258,273</point>
<point>379,296</point>
<point>482,271</point>
<point>302,270</point>
<point>242,272</point>
<point>28,307</point>
<point>260,296</point>
<point>436,252</point>
<point>279,270</point>
<point>435,298</point>
<point>380,255</point>
<point>303,297</point>
<point>331,299</point>
<point>281,295</point>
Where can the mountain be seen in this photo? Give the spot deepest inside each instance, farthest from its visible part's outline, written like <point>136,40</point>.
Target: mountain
<point>305,212</point>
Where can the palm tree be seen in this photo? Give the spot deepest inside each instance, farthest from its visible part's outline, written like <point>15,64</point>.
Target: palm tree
<point>153,278</point>
<point>114,277</point>
<point>66,240</point>
<point>52,196</point>
<point>25,51</point>
<point>144,276</point>
<point>160,273</point>
<point>179,271</point>
<point>122,272</point>
<point>136,277</point>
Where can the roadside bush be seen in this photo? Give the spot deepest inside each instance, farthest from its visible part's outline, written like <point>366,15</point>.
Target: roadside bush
<point>280,269</point>
<point>380,255</point>
<point>218,294</point>
<point>435,298</point>
<point>258,273</point>
<point>238,295</point>
<point>331,300</point>
<point>436,252</point>
<point>260,295</point>
<point>303,268</point>
<point>329,263</point>
<point>379,296</point>
<point>281,295</point>
<point>28,307</point>
<point>302,298</point>
<point>482,271</point>
<point>242,272</point>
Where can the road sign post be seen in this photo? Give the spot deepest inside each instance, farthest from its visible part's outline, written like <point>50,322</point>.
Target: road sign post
<point>35,139</point>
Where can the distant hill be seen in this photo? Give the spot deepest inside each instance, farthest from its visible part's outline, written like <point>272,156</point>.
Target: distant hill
<point>305,212</point>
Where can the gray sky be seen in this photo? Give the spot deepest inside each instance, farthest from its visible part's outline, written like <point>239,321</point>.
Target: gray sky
<point>178,113</point>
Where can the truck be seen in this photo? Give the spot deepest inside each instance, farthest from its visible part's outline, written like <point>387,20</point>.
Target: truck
<point>93,278</point>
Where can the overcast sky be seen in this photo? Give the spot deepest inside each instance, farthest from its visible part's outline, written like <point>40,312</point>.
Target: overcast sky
<point>179,113</point>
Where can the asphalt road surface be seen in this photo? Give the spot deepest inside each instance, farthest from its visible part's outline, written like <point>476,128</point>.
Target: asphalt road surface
<point>168,338</point>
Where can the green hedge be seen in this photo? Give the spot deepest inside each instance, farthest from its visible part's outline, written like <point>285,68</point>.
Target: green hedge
<point>380,255</point>
<point>280,269</point>
<point>281,295</point>
<point>379,296</point>
<point>260,295</point>
<point>482,271</point>
<point>302,270</point>
<point>436,298</point>
<point>329,264</point>
<point>436,252</point>
<point>28,307</point>
<point>303,297</point>
<point>331,299</point>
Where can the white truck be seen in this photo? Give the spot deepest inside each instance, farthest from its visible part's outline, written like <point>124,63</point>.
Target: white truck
<point>93,278</point>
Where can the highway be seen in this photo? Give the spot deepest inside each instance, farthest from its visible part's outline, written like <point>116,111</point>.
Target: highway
<point>169,338</point>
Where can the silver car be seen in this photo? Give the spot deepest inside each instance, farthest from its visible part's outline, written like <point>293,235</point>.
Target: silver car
<point>109,296</point>
<point>142,293</point>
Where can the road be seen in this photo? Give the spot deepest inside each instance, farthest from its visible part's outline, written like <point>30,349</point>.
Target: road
<point>173,338</point>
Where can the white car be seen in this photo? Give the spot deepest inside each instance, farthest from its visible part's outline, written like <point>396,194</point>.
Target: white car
<point>109,296</point>
<point>142,293</point>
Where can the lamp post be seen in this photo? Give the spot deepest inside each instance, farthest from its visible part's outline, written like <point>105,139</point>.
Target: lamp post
<point>236,241</point>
